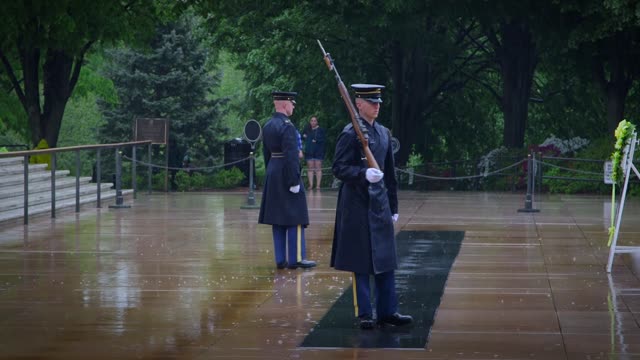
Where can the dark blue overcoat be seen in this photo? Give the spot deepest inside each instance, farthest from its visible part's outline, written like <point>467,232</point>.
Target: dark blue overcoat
<point>280,206</point>
<point>355,247</point>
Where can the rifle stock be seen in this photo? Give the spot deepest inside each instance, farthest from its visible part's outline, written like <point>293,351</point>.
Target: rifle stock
<point>361,131</point>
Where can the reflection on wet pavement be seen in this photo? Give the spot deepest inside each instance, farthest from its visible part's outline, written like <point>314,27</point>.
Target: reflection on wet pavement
<point>192,276</point>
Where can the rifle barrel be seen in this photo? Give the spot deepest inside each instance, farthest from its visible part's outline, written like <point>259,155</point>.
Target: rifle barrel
<point>355,119</point>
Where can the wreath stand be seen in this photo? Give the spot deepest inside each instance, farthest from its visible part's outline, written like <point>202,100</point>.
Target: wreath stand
<point>627,166</point>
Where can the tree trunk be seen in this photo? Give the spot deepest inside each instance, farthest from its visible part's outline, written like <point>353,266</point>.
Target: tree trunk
<point>616,96</point>
<point>616,82</point>
<point>409,73</point>
<point>59,76</point>
<point>518,61</point>
<point>399,128</point>
<point>30,97</point>
<point>57,90</point>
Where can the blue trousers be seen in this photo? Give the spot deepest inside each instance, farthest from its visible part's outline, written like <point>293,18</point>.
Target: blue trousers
<point>385,294</point>
<point>291,237</point>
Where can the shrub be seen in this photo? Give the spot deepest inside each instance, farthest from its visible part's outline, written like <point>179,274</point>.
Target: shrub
<point>183,181</point>
<point>226,179</point>
<point>597,150</point>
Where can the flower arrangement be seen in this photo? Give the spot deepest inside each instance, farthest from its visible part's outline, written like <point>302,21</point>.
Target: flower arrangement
<point>564,146</point>
<point>489,160</point>
<point>624,133</point>
<point>415,159</point>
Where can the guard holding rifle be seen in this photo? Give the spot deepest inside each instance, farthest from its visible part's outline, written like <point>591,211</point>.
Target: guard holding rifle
<point>284,204</point>
<point>364,240</point>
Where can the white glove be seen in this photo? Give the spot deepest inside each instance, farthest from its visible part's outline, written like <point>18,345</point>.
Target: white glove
<point>395,217</point>
<point>295,189</point>
<point>374,175</point>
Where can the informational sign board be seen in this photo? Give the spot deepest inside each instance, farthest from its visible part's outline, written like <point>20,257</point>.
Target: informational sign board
<point>154,129</point>
<point>608,170</point>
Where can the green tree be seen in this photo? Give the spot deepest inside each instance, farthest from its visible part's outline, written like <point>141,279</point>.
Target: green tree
<point>13,129</point>
<point>513,36</point>
<point>410,46</point>
<point>170,80</point>
<point>44,45</point>
<point>606,37</point>
<point>460,77</point>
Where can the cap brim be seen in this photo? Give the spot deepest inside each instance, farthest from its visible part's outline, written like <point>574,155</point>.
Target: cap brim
<point>374,100</point>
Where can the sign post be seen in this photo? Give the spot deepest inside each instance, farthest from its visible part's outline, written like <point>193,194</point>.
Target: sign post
<point>156,130</point>
<point>253,133</point>
<point>608,170</point>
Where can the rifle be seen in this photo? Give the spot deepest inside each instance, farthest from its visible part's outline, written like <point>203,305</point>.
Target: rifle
<point>358,126</point>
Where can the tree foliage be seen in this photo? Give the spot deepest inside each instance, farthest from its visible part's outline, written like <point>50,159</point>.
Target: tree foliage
<point>456,75</point>
<point>410,47</point>
<point>44,45</point>
<point>171,80</point>
<point>605,36</point>
<point>462,78</point>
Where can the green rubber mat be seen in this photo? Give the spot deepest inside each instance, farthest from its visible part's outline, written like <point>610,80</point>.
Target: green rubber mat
<point>424,261</point>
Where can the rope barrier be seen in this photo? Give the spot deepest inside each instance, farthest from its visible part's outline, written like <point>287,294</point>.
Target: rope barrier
<point>185,169</point>
<point>306,169</point>
<point>462,177</point>
<point>569,169</point>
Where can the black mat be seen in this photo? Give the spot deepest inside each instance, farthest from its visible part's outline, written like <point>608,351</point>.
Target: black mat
<point>425,259</point>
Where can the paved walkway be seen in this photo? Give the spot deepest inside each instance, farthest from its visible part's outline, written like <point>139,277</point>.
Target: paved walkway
<point>192,276</point>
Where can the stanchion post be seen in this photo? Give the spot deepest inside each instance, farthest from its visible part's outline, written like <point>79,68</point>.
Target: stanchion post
<point>25,213</point>
<point>134,180</point>
<point>149,169</point>
<point>251,199</point>
<point>252,133</point>
<point>98,181</point>
<point>540,170</point>
<point>119,199</point>
<point>528,201</point>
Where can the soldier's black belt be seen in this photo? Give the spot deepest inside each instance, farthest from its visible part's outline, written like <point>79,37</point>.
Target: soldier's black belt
<point>277,155</point>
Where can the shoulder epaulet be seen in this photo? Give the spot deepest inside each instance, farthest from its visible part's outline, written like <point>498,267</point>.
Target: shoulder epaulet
<point>348,127</point>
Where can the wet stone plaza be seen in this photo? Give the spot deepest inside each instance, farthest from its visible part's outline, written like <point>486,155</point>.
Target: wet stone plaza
<point>192,276</point>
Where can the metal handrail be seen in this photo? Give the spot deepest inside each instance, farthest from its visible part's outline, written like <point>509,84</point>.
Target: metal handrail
<point>72,148</point>
<point>76,149</point>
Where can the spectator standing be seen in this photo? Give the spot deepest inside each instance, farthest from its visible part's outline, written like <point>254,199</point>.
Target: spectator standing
<point>314,151</point>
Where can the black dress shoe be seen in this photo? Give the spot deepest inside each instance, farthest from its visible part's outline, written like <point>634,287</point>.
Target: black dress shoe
<point>282,265</point>
<point>366,323</point>
<point>305,264</point>
<point>395,320</point>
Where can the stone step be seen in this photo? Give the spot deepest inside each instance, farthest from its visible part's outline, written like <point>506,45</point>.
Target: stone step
<point>11,161</point>
<point>8,192</point>
<point>45,197</point>
<point>18,169</point>
<point>40,176</point>
<point>107,197</point>
<point>12,191</point>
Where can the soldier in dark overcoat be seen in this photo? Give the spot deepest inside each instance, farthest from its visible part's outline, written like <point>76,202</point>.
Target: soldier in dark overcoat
<point>284,203</point>
<point>367,207</point>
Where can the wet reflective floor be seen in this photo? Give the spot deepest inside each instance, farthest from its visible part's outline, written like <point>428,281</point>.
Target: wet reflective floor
<point>192,276</point>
